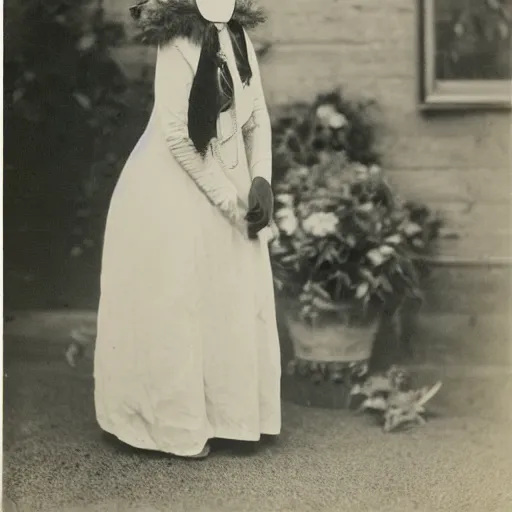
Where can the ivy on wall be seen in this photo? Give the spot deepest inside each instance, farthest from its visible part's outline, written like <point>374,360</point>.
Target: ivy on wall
<point>60,80</point>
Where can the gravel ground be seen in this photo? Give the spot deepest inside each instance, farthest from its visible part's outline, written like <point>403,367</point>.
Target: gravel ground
<point>56,459</point>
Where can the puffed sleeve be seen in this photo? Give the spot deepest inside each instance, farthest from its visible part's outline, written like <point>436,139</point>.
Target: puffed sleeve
<point>173,81</point>
<point>258,131</point>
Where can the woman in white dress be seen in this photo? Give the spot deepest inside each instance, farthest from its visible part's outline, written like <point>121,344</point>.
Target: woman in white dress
<point>187,347</point>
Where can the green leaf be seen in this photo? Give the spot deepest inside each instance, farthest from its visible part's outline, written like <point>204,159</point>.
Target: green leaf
<point>384,283</point>
<point>362,290</point>
<point>83,100</point>
<point>278,284</point>
<point>316,288</point>
<point>324,305</point>
<point>17,95</point>
<point>380,294</point>
<point>291,258</point>
<point>277,249</point>
<point>362,225</point>
<point>342,280</point>
<point>368,276</point>
<point>350,240</point>
<point>375,384</point>
<point>305,311</point>
<point>418,243</point>
<point>342,277</point>
<point>308,251</point>
<point>375,403</point>
<point>305,297</point>
<point>330,254</point>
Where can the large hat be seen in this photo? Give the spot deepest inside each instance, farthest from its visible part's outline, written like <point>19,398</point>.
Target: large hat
<point>216,11</point>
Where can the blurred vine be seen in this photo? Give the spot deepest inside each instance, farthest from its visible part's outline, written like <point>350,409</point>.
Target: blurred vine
<point>65,97</point>
<point>59,74</point>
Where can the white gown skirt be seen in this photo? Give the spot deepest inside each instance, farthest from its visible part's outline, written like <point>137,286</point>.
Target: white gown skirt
<point>187,346</point>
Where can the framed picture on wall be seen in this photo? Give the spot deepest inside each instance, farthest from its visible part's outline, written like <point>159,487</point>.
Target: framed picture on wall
<point>465,59</point>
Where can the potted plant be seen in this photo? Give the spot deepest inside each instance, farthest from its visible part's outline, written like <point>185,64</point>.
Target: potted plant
<point>348,252</point>
<point>342,256</point>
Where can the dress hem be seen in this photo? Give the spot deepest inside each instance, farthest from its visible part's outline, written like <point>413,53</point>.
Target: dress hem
<point>219,434</point>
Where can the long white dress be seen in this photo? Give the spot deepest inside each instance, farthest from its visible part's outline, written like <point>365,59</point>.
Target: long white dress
<point>187,346</point>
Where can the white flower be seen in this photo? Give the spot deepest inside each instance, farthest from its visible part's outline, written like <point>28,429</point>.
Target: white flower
<point>375,257</point>
<point>285,212</point>
<point>321,224</point>
<point>394,239</point>
<point>325,112</point>
<point>337,121</point>
<point>375,170</point>
<point>289,225</point>
<point>285,199</point>
<point>302,171</point>
<point>287,221</point>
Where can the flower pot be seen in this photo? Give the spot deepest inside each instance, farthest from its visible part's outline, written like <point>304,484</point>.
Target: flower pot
<point>331,341</point>
<point>327,358</point>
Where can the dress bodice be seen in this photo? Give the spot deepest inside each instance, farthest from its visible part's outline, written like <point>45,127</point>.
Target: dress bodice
<point>243,103</point>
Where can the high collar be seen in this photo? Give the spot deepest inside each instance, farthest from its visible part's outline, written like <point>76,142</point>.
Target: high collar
<point>164,20</point>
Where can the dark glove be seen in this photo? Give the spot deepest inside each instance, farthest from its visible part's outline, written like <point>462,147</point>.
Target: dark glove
<point>261,206</point>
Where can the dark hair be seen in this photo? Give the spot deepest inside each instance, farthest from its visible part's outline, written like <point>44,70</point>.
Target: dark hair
<point>205,101</point>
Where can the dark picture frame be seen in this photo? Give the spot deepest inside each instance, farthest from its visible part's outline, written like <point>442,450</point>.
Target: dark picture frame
<point>457,69</point>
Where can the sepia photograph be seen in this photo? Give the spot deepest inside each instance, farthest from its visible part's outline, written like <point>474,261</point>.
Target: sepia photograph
<point>257,256</point>
<point>466,53</point>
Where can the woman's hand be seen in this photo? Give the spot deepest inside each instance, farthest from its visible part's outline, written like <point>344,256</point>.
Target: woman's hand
<point>235,210</point>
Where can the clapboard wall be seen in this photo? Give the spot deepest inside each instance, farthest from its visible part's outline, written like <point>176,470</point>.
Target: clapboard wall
<point>457,162</point>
